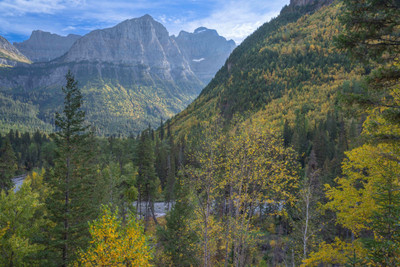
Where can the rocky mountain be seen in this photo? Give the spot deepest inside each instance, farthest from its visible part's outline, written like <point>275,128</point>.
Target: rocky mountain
<point>45,46</point>
<point>9,55</point>
<point>131,75</point>
<point>205,50</point>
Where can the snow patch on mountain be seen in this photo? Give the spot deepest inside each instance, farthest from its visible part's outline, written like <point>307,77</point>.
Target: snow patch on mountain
<point>198,60</point>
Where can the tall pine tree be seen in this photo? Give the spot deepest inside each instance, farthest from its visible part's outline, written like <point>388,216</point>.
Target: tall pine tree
<point>72,203</point>
<point>147,181</point>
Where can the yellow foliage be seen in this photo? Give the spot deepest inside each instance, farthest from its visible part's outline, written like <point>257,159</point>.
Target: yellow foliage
<point>337,253</point>
<point>114,244</point>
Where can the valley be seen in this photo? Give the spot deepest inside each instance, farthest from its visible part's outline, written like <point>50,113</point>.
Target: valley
<point>131,146</point>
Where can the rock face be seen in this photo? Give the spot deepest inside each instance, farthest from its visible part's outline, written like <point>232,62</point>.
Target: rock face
<point>9,55</point>
<point>44,46</point>
<point>137,42</point>
<point>205,51</point>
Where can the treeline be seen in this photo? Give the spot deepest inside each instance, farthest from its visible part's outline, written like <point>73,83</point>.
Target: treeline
<point>31,150</point>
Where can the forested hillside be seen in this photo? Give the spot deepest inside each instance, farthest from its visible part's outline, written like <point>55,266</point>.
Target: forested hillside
<point>289,157</point>
<point>290,58</point>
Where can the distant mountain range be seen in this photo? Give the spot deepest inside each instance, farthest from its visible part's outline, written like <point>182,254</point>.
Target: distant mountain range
<point>45,46</point>
<point>131,75</point>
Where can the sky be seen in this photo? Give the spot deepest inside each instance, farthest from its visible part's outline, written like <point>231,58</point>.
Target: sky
<point>233,19</point>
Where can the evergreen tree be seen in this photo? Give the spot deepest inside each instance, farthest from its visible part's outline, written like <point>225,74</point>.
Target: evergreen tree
<point>375,36</point>
<point>8,165</point>
<point>162,131</point>
<point>177,238</point>
<point>71,203</point>
<point>147,181</point>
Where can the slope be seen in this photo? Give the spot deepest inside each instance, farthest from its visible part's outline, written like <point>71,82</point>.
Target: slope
<point>288,65</point>
<point>9,55</point>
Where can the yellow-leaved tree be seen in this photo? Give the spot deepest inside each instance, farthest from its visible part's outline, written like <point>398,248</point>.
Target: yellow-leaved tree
<point>115,244</point>
<point>366,200</point>
<point>260,179</point>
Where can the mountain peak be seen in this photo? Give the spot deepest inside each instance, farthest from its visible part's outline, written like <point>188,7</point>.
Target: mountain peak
<point>205,30</point>
<point>205,50</point>
<point>146,16</point>
<point>45,46</point>
<point>200,29</point>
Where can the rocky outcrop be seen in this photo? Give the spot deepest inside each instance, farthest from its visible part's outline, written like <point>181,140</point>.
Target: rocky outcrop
<point>44,46</point>
<point>205,50</point>
<point>9,55</point>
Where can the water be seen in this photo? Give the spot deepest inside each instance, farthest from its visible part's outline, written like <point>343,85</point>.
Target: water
<point>18,180</point>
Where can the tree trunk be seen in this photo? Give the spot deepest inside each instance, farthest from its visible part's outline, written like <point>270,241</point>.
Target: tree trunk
<point>66,223</point>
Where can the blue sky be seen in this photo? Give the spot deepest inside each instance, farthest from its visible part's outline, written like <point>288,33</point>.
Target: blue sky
<point>233,19</point>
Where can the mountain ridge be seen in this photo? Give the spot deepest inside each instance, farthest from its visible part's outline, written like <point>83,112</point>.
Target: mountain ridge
<point>45,46</point>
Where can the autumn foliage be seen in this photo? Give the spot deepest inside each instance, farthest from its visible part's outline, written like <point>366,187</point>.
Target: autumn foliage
<point>116,244</point>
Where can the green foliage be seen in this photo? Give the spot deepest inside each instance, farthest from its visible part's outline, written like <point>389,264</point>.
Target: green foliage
<point>148,183</point>
<point>8,165</point>
<point>177,238</point>
<point>117,186</point>
<point>370,34</point>
<point>22,218</point>
<point>116,101</point>
<point>72,202</point>
<point>31,150</point>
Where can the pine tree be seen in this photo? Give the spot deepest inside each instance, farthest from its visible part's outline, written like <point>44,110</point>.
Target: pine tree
<point>71,203</point>
<point>147,181</point>
<point>372,36</point>
<point>8,165</point>
<point>177,238</point>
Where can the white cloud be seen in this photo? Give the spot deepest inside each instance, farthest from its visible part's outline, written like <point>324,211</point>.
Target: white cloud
<point>21,7</point>
<point>69,28</point>
<point>233,19</point>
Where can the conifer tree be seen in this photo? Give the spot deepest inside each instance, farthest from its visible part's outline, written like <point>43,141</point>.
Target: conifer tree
<point>370,36</point>
<point>71,203</point>
<point>147,181</point>
<point>177,237</point>
<point>8,165</point>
